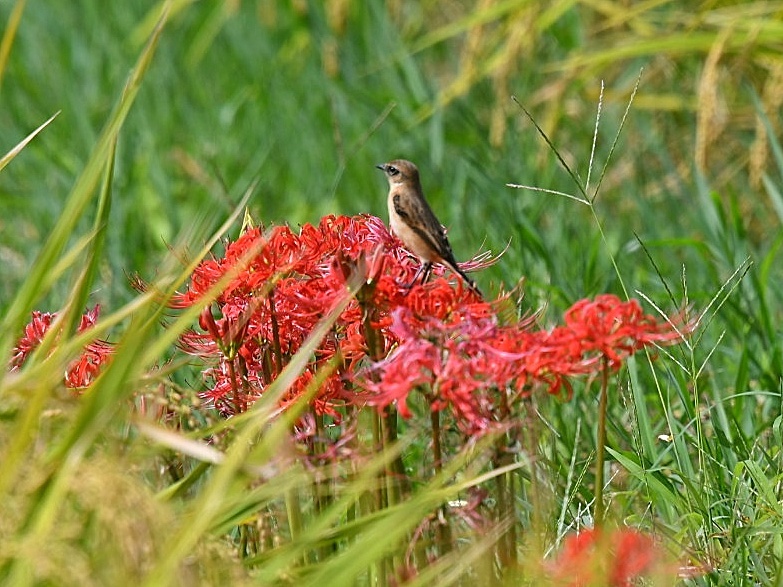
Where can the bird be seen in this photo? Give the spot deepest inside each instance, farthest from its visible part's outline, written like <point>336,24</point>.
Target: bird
<point>415,224</point>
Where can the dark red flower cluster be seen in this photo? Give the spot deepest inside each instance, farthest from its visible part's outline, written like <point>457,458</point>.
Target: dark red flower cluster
<point>394,337</point>
<point>615,558</point>
<point>80,373</point>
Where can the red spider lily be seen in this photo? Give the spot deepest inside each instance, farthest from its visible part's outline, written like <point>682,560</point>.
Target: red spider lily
<point>614,330</point>
<point>82,372</point>
<point>614,558</point>
<point>283,283</point>
<point>436,336</point>
<point>461,353</point>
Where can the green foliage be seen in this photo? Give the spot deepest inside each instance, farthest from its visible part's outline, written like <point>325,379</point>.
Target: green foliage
<point>291,104</point>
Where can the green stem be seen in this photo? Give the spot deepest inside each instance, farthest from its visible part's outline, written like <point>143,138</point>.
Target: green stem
<point>278,353</point>
<point>236,395</point>
<point>321,488</point>
<point>395,478</point>
<point>293,508</point>
<point>444,528</point>
<point>395,475</point>
<point>381,497</point>
<point>598,517</point>
<point>507,544</point>
<point>378,447</point>
<point>538,507</point>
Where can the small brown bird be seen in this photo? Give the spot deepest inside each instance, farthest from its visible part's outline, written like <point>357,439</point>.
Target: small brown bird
<point>414,222</point>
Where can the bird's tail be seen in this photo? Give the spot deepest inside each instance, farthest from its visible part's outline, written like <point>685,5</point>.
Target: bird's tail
<point>470,283</point>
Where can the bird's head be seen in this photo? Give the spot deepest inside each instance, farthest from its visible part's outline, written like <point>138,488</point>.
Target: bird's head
<point>400,171</point>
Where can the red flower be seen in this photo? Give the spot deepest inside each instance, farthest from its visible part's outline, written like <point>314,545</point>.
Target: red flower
<point>455,347</point>
<point>80,373</point>
<point>437,336</point>
<point>613,558</point>
<point>284,283</point>
<point>613,329</point>
<point>34,333</point>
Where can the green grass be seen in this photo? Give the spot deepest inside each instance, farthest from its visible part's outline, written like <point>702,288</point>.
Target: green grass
<point>304,99</point>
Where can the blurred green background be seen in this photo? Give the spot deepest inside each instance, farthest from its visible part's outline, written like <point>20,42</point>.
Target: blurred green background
<point>307,97</point>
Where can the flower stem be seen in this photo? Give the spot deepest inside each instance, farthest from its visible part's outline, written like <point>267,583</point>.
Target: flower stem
<point>444,529</point>
<point>236,394</point>
<point>278,353</point>
<point>507,544</point>
<point>598,516</point>
<point>379,448</point>
<point>293,508</point>
<point>395,475</point>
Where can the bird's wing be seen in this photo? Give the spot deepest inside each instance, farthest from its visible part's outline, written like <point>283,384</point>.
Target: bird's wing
<point>421,219</point>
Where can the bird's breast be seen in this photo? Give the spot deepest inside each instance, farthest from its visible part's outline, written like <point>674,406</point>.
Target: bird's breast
<point>412,240</point>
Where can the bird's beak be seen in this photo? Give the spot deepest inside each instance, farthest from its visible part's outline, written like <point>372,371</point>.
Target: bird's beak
<point>381,166</point>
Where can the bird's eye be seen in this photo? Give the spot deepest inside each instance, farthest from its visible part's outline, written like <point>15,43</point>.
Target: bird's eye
<point>391,170</point>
